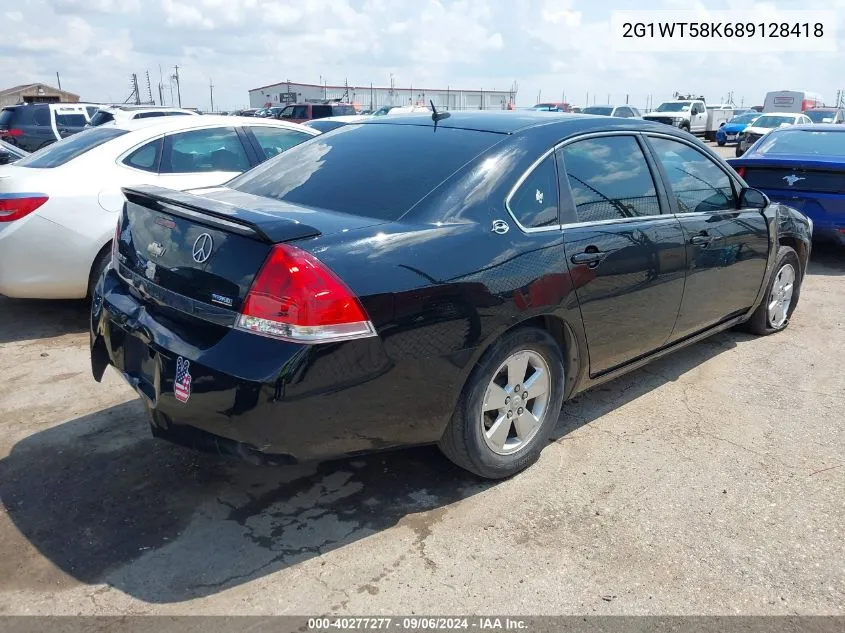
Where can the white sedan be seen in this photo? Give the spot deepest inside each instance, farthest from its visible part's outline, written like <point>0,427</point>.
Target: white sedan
<point>59,206</point>
<point>764,124</point>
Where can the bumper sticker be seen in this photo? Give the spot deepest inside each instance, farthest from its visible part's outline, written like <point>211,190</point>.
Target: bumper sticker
<point>182,383</point>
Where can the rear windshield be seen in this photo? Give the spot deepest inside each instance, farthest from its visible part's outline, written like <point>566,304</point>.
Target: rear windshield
<point>771,121</point>
<point>69,148</point>
<point>602,110</point>
<point>373,170</point>
<point>25,115</point>
<point>821,116</point>
<point>805,142</point>
<point>101,117</point>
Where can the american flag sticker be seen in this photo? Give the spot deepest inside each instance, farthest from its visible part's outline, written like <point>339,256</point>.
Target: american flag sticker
<point>182,383</point>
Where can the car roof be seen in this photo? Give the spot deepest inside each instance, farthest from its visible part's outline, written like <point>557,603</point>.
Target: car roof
<point>508,122</point>
<point>173,123</point>
<point>818,127</point>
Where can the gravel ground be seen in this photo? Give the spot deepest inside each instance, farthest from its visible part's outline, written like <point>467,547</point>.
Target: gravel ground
<point>710,482</point>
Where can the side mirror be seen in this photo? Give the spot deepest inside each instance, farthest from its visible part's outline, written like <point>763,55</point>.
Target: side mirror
<point>6,158</point>
<point>750,198</point>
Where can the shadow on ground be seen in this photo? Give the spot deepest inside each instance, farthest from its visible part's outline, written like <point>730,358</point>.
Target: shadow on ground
<point>28,319</point>
<point>105,503</point>
<point>827,259</point>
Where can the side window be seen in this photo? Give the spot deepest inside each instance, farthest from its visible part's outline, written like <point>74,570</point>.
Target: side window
<point>321,111</point>
<point>300,112</point>
<point>91,110</point>
<point>535,202</point>
<point>215,149</point>
<point>624,112</point>
<point>698,184</point>
<point>609,179</point>
<point>146,157</point>
<point>276,140</point>
<point>41,116</point>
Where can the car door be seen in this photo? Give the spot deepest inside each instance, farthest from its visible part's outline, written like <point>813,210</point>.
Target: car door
<point>698,118</point>
<point>726,246</point>
<point>202,158</point>
<point>624,247</point>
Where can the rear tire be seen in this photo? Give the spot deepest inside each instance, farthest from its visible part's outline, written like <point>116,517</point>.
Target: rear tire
<point>684,127</point>
<point>782,292</point>
<point>508,407</point>
<point>98,268</point>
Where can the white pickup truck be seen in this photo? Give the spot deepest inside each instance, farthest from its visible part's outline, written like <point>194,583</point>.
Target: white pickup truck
<point>687,114</point>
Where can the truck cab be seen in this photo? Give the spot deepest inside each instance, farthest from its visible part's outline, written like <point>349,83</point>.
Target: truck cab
<point>686,114</point>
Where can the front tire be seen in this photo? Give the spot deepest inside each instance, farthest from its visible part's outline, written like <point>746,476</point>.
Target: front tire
<point>509,406</point>
<point>782,292</point>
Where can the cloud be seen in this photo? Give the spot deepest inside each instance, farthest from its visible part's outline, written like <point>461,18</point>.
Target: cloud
<point>549,47</point>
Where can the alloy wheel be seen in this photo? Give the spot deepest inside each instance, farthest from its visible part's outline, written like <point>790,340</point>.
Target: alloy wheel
<point>516,402</point>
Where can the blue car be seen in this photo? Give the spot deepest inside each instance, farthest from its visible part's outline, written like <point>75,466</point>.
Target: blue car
<point>729,132</point>
<point>803,167</point>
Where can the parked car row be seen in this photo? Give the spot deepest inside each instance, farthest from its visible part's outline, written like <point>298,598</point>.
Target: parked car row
<point>446,278</point>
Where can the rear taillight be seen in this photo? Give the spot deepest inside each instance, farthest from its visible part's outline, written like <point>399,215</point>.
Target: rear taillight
<point>295,297</point>
<point>11,132</point>
<point>740,172</point>
<point>14,207</point>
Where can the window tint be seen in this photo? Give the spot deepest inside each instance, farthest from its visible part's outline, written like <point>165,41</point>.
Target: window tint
<point>7,117</point>
<point>101,117</point>
<point>70,120</point>
<point>534,203</point>
<point>609,179</point>
<point>378,171</point>
<point>300,112</point>
<point>276,140</point>
<point>215,149</point>
<point>698,183</point>
<point>342,110</point>
<point>320,111</point>
<point>146,157</point>
<point>149,115</point>
<point>69,148</point>
<point>624,112</point>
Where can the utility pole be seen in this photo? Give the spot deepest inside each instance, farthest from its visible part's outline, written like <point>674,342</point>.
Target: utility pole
<point>58,80</point>
<point>211,94</point>
<point>178,87</point>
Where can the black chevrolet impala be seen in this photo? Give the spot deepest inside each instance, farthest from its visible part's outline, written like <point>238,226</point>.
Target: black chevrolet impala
<point>443,279</point>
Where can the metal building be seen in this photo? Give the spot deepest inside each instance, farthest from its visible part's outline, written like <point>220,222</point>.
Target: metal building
<point>373,97</point>
<point>36,93</point>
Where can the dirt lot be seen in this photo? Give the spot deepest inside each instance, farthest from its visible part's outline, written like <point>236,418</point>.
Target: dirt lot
<point>712,481</point>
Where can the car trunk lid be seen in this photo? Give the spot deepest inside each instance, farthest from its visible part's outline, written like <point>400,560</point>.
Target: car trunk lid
<point>200,254</point>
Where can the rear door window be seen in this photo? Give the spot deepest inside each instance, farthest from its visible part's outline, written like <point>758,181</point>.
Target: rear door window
<point>196,151</point>
<point>372,170</point>
<point>276,140</point>
<point>67,149</point>
<point>300,112</point>
<point>534,204</point>
<point>609,179</point>
<point>146,157</point>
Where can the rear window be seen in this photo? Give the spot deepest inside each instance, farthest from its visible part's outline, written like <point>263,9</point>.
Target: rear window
<point>25,115</point>
<point>101,117</point>
<point>806,142</point>
<point>321,111</point>
<point>69,148</point>
<point>373,170</point>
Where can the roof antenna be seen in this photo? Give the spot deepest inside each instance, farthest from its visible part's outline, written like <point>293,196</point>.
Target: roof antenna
<point>435,115</point>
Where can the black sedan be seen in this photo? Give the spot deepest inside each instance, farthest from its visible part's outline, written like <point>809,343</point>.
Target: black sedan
<point>445,279</point>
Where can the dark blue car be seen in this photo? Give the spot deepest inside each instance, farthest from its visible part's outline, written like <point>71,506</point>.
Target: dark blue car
<point>729,132</point>
<point>802,166</point>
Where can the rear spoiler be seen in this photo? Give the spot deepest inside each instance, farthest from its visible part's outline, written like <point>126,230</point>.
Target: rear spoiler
<point>266,227</point>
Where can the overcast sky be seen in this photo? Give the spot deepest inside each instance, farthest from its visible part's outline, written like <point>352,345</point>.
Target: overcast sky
<point>553,46</point>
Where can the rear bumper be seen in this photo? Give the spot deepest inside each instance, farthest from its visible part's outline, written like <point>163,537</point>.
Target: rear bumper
<point>260,398</point>
<point>40,259</point>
